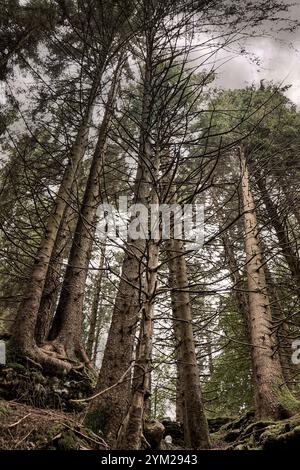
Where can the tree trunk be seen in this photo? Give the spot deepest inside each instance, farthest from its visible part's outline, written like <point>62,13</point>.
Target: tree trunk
<point>131,431</point>
<point>53,278</point>
<point>99,326</point>
<point>23,340</point>
<point>180,404</point>
<point>272,398</point>
<point>282,331</point>
<point>66,329</point>
<point>196,428</point>
<point>108,410</point>
<point>95,307</point>
<point>180,397</point>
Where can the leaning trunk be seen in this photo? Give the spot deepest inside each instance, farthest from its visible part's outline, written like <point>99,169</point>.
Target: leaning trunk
<point>66,329</point>
<point>272,398</point>
<point>24,328</point>
<point>53,278</point>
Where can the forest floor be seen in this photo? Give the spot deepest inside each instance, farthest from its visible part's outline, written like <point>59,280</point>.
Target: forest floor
<point>44,412</point>
<point>24,427</point>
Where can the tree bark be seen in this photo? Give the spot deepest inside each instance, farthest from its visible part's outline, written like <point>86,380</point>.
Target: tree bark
<point>23,340</point>
<point>195,423</point>
<point>66,329</point>
<point>273,400</point>
<point>53,278</point>
<point>108,411</point>
<point>180,396</point>
<point>95,307</point>
<point>131,431</point>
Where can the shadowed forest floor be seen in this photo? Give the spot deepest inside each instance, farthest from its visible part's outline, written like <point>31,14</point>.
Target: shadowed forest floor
<point>25,427</point>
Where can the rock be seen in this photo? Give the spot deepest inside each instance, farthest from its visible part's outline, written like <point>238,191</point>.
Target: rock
<point>240,422</point>
<point>232,436</point>
<point>175,430</point>
<point>281,436</point>
<point>259,435</point>
<point>32,386</point>
<point>215,424</point>
<point>154,433</point>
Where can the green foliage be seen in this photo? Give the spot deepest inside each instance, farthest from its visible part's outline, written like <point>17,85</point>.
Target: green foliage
<point>229,389</point>
<point>254,115</point>
<point>163,389</point>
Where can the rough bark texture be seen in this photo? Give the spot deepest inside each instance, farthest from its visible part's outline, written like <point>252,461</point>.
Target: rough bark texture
<point>131,431</point>
<point>67,323</point>
<point>53,278</point>
<point>196,426</point>
<point>180,396</point>
<point>272,397</point>
<point>108,411</point>
<point>95,307</point>
<point>180,405</point>
<point>23,339</point>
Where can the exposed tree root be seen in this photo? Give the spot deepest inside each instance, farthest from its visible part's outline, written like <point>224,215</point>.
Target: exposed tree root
<point>53,357</point>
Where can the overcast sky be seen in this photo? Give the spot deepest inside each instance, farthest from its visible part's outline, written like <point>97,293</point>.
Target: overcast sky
<point>279,61</point>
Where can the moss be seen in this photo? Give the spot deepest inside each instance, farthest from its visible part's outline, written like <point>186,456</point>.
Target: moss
<point>96,421</point>
<point>54,430</point>
<point>257,428</point>
<point>4,409</point>
<point>68,441</point>
<point>215,436</point>
<point>287,403</point>
<point>278,439</point>
<point>241,447</point>
<point>259,435</point>
<point>15,366</point>
<point>91,376</point>
<point>38,377</point>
